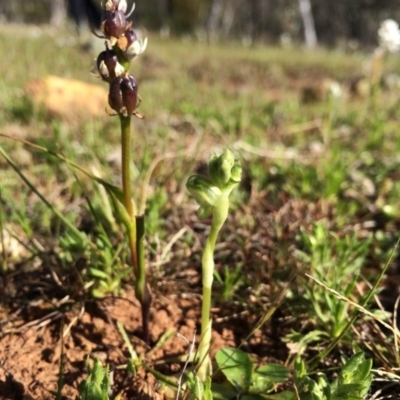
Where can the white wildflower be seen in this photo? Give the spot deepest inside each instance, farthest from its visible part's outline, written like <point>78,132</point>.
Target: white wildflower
<point>389,35</point>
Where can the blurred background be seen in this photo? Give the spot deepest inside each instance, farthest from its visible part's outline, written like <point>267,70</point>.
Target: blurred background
<point>341,22</point>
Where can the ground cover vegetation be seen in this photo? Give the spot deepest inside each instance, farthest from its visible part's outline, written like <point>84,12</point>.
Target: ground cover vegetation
<point>305,292</point>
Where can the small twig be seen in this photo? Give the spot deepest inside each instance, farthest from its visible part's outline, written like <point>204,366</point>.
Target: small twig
<point>188,359</point>
<point>396,342</point>
<point>305,126</point>
<point>172,241</point>
<point>37,323</point>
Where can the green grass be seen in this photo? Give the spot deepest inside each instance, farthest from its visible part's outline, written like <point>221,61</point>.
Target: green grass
<point>320,180</point>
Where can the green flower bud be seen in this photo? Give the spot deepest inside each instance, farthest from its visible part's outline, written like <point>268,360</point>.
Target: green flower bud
<point>220,168</point>
<point>203,190</point>
<point>236,173</point>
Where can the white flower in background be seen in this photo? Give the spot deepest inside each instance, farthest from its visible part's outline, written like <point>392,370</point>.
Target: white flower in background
<point>334,90</point>
<point>389,35</point>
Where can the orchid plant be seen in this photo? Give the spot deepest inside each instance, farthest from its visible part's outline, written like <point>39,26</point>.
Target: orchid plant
<point>212,194</point>
<point>112,66</point>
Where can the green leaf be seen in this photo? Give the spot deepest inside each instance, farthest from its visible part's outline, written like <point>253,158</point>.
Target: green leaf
<point>203,190</point>
<point>350,389</point>
<point>300,370</point>
<point>207,389</point>
<point>98,373</point>
<point>115,190</point>
<point>97,385</point>
<point>98,294</point>
<point>265,377</point>
<point>356,369</point>
<point>134,359</point>
<point>121,213</point>
<point>223,391</point>
<point>96,273</point>
<point>354,379</point>
<point>195,387</point>
<point>261,385</point>
<point>252,397</point>
<point>275,373</point>
<point>237,366</point>
<point>131,368</point>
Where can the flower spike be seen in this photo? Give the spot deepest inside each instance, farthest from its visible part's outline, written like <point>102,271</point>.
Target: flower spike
<point>112,64</point>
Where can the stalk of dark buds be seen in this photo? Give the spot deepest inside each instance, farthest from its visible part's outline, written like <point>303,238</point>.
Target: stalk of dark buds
<point>112,66</point>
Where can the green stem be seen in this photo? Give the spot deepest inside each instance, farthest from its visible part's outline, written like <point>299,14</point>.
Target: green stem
<point>126,186</point>
<point>126,160</point>
<point>135,228</point>
<point>142,290</point>
<point>141,275</point>
<point>220,213</point>
<point>4,266</point>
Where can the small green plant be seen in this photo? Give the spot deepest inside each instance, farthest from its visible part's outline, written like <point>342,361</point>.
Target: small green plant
<point>106,264</point>
<point>196,389</point>
<point>336,261</point>
<point>229,280</point>
<point>97,386</point>
<point>243,378</point>
<point>105,267</point>
<point>246,381</point>
<point>212,194</point>
<point>112,66</point>
<point>353,382</point>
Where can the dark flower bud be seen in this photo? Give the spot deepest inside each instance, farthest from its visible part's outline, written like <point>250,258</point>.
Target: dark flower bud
<point>108,66</point>
<point>131,36</point>
<point>123,95</point>
<point>115,95</point>
<point>129,89</point>
<point>114,24</point>
<point>127,39</point>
